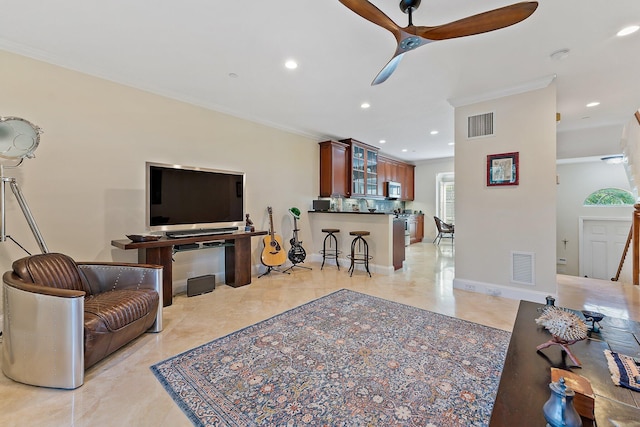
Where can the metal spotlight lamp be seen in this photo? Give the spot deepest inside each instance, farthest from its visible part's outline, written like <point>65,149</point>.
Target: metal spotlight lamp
<point>19,138</point>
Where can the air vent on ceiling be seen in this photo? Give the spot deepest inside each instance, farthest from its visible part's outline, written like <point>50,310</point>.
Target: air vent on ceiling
<point>522,268</point>
<point>480,125</point>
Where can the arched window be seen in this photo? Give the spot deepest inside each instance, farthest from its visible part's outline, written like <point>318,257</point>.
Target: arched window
<point>609,197</point>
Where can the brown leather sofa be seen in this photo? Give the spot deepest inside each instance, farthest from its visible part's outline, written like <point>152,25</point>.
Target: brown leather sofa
<point>61,317</point>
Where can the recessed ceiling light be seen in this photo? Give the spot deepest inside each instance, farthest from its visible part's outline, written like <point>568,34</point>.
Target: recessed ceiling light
<point>382,141</point>
<point>404,150</point>
<point>365,105</point>
<point>452,143</point>
<point>291,64</point>
<point>434,132</point>
<point>628,30</point>
<point>593,104</point>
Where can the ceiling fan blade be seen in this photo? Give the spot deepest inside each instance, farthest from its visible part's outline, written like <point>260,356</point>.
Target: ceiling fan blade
<point>371,13</point>
<point>388,69</point>
<point>480,23</point>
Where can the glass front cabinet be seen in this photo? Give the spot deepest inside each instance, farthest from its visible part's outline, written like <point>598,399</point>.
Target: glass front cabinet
<point>372,173</point>
<point>364,169</point>
<point>350,168</point>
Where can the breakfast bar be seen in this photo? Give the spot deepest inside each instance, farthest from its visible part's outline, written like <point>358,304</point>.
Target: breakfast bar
<point>379,224</point>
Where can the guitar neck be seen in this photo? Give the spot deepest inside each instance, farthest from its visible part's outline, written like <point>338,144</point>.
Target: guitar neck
<point>271,232</point>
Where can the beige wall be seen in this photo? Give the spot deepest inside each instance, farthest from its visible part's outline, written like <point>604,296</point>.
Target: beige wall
<point>491,222</point>
<point>576,182</point>
<point>426,191</point>
<point>86,185</point>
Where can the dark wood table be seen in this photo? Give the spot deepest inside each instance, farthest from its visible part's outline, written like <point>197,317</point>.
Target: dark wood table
<point>237,255</point>
<point>524,384</point>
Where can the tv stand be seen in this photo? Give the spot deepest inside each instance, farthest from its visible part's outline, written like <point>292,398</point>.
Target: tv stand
<point>237,255</point>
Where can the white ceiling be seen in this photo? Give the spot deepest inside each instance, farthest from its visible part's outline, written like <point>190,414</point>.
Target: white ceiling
<point>188,49</point>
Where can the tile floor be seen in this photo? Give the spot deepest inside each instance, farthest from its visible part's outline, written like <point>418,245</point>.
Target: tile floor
<point>121,390</point>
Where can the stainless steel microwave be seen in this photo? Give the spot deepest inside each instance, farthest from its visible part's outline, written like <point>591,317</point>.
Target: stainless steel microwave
<point>393,190</point>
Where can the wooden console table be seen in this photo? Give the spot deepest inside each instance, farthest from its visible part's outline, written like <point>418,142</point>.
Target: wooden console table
<point>237,257</point>
<point>524,384</point>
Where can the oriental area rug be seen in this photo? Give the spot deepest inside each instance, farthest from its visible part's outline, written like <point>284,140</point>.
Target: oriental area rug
<point>346,359</point>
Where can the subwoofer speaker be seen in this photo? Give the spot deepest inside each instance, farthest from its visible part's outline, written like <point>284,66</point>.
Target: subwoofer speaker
<point>201,285</point>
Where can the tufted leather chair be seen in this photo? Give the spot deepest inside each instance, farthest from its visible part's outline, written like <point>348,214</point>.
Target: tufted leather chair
<point>61,317</point>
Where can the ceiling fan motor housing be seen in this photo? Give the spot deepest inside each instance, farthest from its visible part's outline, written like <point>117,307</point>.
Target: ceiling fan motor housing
<point>410,43</point>
<point>407,6</point>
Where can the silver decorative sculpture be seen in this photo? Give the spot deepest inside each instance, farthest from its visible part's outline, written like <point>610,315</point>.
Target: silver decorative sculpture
<point>566,328</point>
<point>595,318</point>
<point>559,410</point>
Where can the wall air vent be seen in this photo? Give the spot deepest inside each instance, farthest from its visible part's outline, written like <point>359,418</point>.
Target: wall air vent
<point>480,125</point>
<point>522,268</point>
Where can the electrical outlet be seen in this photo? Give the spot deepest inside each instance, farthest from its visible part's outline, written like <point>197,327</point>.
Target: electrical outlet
<point>494,292</point>
<point>470,288</point>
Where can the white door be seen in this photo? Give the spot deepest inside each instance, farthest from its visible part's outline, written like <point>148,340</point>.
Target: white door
<point>603,242</point>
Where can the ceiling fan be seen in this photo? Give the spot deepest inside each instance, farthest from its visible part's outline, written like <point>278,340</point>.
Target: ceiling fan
<point>412,36</point>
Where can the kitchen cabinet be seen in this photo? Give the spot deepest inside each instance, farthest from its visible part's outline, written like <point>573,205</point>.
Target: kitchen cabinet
<point>383,174</point>
<point>420,228</point>
<point>413,227</point>
<point>350,168</point>
<point>364,169</point>
<point>416,228</point>
<point>395,170</point>
<point>334,169</point>
<point>408,186</point>
<point>394,175</point>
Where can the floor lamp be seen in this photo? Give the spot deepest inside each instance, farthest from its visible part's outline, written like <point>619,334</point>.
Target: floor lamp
<point>19,138</point>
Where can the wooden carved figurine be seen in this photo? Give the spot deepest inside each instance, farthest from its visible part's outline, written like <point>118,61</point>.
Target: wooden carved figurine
<point>249,224</point>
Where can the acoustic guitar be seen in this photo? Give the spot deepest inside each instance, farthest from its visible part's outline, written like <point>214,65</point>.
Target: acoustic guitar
<point>273,253</point>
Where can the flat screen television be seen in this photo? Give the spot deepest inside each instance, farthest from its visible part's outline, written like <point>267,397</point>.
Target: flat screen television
<point>186,198</point>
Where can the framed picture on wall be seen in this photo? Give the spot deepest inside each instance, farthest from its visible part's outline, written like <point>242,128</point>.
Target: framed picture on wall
<point>502,169</point>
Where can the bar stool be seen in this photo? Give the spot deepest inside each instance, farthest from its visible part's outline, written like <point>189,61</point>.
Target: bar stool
<point>332,240</point>
<point>362,254</point>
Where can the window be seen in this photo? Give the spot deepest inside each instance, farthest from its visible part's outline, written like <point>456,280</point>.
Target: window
<point>609,197</point>
<point>446,197</point>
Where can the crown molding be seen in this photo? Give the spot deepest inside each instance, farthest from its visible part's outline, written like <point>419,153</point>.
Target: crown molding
<point>539,83</point>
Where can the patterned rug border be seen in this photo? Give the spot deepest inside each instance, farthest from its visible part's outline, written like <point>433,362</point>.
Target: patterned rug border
<point>187,410</point>
<point>183,406</point>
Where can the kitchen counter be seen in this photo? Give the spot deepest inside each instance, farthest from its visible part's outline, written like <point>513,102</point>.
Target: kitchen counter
<point>353,212</point>
<point>379,224</point>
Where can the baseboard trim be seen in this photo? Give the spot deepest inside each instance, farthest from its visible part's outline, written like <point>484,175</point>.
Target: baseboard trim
<point>346,262</point>
<point>501,290</point>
